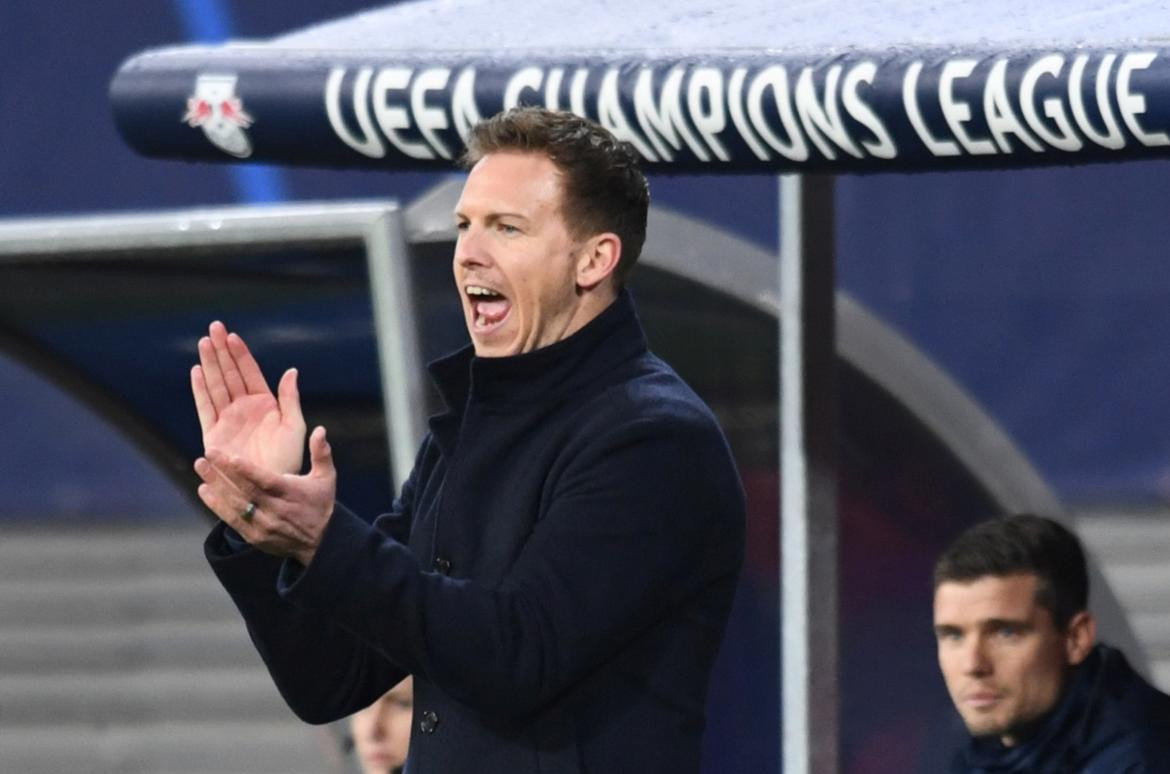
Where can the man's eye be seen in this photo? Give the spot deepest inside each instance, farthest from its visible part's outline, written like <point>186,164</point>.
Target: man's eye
<point>461,225</point>
<point>1008,631</point>
<point>507,228</point>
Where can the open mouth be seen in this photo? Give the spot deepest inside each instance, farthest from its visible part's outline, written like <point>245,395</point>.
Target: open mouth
<point>489,307</point>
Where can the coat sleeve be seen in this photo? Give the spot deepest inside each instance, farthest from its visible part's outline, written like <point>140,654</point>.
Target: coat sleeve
<point>294,640</point>
<point>630,519</point>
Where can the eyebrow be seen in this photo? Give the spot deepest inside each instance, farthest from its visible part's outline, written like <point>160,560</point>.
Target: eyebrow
<point>985,624</point>
<point>999,623</point>
<point>493,216</point>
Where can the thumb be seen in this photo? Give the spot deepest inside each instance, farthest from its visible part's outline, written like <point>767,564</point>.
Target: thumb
<point>320,454</point>
<point>289,397</point>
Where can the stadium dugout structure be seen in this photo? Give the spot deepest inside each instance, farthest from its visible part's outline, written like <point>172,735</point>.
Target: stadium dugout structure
<point>807,93</point>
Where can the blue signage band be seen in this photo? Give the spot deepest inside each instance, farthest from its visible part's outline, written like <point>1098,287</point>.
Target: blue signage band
<point>904,111</point>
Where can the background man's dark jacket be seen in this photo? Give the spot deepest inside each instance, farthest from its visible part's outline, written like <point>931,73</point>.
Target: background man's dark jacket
<point>556,574</point>
<point>1110,721</point>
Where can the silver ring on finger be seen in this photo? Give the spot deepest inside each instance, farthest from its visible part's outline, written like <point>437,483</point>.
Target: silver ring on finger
<point>249,511</point>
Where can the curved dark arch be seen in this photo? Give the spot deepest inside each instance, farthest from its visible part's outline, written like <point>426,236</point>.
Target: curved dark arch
<point>73,382</point>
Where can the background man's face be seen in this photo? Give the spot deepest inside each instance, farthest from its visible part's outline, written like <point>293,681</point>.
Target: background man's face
<point>515,262</point>
<point>1003,659</point>
<point>381,732</point>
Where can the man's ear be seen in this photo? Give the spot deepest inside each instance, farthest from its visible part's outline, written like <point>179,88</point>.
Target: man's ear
<point>1079,637</point>
<point>598,260</point>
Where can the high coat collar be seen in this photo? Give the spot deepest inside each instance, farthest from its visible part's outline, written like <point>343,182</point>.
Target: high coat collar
<point>1070,729</point>
<point>546,374</point>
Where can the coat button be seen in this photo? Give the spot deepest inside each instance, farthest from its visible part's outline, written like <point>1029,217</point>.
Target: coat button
<point>428,722</point>
<point>443,565</point>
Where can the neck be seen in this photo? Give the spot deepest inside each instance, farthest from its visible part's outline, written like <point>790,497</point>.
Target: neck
<point>594,301</point>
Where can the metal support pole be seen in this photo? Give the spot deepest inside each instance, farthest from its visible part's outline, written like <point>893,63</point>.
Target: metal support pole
<point>808,474</point>
<point>388,259</point>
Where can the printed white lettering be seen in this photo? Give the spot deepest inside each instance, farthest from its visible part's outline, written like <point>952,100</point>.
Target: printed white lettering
<point>735,103</point>
<point>1112,138</point>
<point>1132,104</point>
<point>665,119</point>
<point>826,117</point>
<point>528,78</point>
<point>795,149</point>
<point>392,118</point>
<point>1066,139</point>
<point>910,102</point>
<point>882,145</point>
<point>710,121</point>
<point>997,109</point>
<point>552,88</point>
<point>464,111</point>
<point>430,119</point>
<point>957,112</point>
<point>577,92</point>
<point>369,144</point>
<point>610,115</point>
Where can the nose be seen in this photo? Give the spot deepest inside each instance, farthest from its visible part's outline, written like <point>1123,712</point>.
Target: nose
<point>470,250</point>
<point>975,658</point>
<point>380,729</point>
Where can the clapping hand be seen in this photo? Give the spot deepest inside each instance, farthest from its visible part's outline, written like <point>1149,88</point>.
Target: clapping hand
<point>237,411</point>
<point>254,447</point>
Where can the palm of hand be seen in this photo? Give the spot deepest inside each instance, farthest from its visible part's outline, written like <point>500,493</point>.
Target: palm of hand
<point>238,413</point>
<point>253,428</point>
<point>254,441</point>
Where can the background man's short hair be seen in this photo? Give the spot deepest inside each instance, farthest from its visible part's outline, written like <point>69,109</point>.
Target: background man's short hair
<point>1022,544</point>
<point>604,188</point>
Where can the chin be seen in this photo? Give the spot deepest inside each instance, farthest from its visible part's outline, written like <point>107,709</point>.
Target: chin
<point>489,350</point>
<point>984,726</point>
<point>495,346</point>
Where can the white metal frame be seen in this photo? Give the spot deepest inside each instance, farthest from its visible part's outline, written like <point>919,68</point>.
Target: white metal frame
<point>376,226</point>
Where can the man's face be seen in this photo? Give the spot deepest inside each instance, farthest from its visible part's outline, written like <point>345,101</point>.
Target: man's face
<point>381,732</point>
<point>515,261</point>
<point>1003,659</point>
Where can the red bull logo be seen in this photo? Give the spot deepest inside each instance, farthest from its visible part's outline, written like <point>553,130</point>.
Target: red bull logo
<point>215,108</point>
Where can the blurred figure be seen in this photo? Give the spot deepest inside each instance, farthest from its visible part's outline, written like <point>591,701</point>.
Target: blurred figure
<point>1017,648</point>
<point>381,732</point>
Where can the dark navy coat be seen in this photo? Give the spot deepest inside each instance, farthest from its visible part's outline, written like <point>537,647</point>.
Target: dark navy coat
<point>556,574</point>
<point>1110,721</point>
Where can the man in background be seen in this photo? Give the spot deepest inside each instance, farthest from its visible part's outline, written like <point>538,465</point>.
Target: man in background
<point>381,731</point>
<point>1017,648</point>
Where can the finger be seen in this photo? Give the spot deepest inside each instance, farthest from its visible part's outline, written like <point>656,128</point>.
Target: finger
<point>220,494</point>
<point>227,362</point>
<point>208,473</point>
<point>221,503</point>
<point>221,484</point>
<point>320,454</point>
<point>213,376</point>
<point>250,372</point>
<point>244,516</point>
<point>253,481</point>
<point>289,396</point>
<point>203,405</point>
